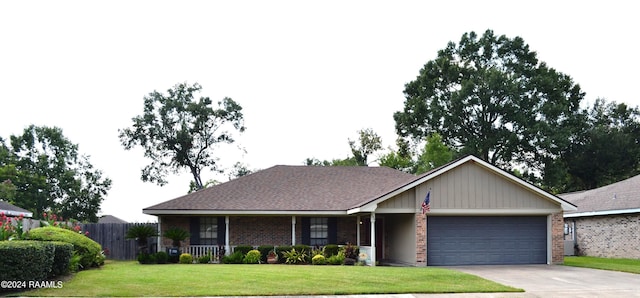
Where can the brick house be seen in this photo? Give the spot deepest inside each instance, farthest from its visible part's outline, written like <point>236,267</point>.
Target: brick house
<point>607,221</point>
<point>479,214</point>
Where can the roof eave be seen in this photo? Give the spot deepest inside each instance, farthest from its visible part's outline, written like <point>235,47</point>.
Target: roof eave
<point>241,212</point>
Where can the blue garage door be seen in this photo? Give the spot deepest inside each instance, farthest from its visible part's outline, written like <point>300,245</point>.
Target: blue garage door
<point>486,240</point>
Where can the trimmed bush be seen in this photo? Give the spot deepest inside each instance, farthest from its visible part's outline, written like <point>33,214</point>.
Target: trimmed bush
<point>234,258</point>
<point>252,257</point>
<point>26,260</point>
<point>204,259</point>
<point>162,257</point>
<point>244,249</point>
<point>145,258</point>
<point>61,258</point>
<point>88,250</point>
<point>186,258</point>
<point>330,250</point>
<point>319,260</point>
<point>264,251</point>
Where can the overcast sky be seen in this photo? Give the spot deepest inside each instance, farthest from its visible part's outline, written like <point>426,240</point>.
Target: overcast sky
<point>308,74</point>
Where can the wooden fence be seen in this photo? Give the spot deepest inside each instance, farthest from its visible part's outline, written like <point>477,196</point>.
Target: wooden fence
<point>112,238</point>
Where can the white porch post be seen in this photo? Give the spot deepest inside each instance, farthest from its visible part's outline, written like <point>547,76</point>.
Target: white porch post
<point>293,230</point>
<point>373,239</point>
<point>159,244</point>
<point>227,248</point>
<point>358,223</point>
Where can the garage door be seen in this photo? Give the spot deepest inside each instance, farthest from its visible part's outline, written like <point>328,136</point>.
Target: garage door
<point>486,240</point>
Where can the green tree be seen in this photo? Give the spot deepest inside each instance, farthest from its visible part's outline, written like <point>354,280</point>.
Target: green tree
<point>177,131</point>
<point>608,151</point>
<point>50,175</point>
<point>491,97</point>
<point>435,154</point>
<point>400,159</point>
<point>368,143</point>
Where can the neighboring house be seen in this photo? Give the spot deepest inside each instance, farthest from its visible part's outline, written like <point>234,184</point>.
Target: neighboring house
<point>607,222</point>
<point>111,219</point>
<point>478,214</point>
<point>14,211</point>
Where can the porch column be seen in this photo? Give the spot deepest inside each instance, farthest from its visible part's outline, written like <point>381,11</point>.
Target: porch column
<point>227,247</point>
<point>358,223</point>
<point>373,239</point>
<point>293,230</point>
<point>159,244</point>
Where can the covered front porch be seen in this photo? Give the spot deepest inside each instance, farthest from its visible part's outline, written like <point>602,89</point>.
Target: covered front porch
<point>380,237</point>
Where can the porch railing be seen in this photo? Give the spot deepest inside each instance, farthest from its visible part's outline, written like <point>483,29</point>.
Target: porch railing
<point>203,250</point>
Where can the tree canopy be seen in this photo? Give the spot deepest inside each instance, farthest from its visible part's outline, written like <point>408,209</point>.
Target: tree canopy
<point>490,96</point>
<point>43,172</point>
<point>178,131</point>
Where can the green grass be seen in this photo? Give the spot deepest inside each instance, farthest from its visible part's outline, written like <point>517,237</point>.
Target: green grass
<point>132,279</point>
<point>624,265</point>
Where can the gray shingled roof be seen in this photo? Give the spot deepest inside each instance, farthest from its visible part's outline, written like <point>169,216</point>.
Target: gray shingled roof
<point>617,196</point>
<point>14,210</point>
<point>110,219</point>
<point>294,188</point>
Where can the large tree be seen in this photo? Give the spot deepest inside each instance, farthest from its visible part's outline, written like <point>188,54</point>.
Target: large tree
<point>178,131</point>
<point>490,96</point>
<point>607,151</point>
<point>368,143</point>
<point>51,176</point>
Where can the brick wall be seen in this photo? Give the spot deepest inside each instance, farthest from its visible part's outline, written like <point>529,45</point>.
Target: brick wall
<point>610,236</point>
<point>421,239</point>
<point>167,222</point>
<point>254,230</point>
<point>557,238</point>
<point>347,230</point>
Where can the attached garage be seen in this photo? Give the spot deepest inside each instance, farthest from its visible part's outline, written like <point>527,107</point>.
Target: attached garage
<point>486,240</point>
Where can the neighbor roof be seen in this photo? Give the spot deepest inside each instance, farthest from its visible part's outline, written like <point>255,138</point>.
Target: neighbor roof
<point>12,210</point>
<point>619,197</point>
<point>281,189</point>
<point>110,219</point>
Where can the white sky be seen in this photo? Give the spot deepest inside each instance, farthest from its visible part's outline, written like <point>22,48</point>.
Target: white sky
<point>308,74</point>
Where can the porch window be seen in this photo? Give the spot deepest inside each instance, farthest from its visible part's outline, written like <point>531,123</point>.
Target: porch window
<point>319,231</point>
<point>208,230</point>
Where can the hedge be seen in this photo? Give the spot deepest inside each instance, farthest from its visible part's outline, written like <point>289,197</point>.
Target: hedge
<point>90,252</point>
<point>26,260</point>
<point>61,258</point>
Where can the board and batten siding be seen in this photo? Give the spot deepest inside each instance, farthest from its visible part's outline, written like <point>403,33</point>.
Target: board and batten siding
<point>471,186</point>
<point>404,202</point>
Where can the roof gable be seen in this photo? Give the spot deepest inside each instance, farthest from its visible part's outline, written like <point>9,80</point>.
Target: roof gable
<point>292,188</point>
<point>566,206</point>
<point>13,210</point>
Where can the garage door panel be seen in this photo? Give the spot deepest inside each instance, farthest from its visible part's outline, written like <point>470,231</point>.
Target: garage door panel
<point>476,240</point>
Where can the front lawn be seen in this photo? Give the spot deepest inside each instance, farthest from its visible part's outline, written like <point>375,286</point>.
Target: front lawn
<point>132,279</point>
<point>624,265</point>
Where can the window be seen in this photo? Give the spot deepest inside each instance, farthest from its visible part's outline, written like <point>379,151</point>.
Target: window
<point>208,230</point>
<point>319,231</point>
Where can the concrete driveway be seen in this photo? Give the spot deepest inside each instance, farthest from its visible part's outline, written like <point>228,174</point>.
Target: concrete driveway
<point>554,281</point>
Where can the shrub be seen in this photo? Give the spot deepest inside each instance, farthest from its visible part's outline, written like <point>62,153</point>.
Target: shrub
<point>61,258</point>
<point>145,258</point>
<point>244,249</point>
<point>141,233</point>
<point>186,258</point>
<point>252,257</point>
<point>281,250</point>
<point>295,257</point>
<point>234,258</point>
<point>204,259</point>
<point>264,251</point>
<point>351,253</point>
<point>330,250</point>
<point>88,250</point>
<point>176,235</point>
<point>318,260</point>
<point>26,260</point>
<point>162,257</point>
<point>336,259</point>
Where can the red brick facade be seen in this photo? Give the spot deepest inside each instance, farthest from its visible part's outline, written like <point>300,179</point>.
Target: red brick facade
<point>421,239</point>
<point>557,238</point>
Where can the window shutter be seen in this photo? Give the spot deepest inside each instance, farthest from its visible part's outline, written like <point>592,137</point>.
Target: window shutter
<point>306,230</point>
<point>194,230</point>
<point>333,230</point>
<point>222,229</point>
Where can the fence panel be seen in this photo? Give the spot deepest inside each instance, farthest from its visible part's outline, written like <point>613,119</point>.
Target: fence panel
<point>112,238</point>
